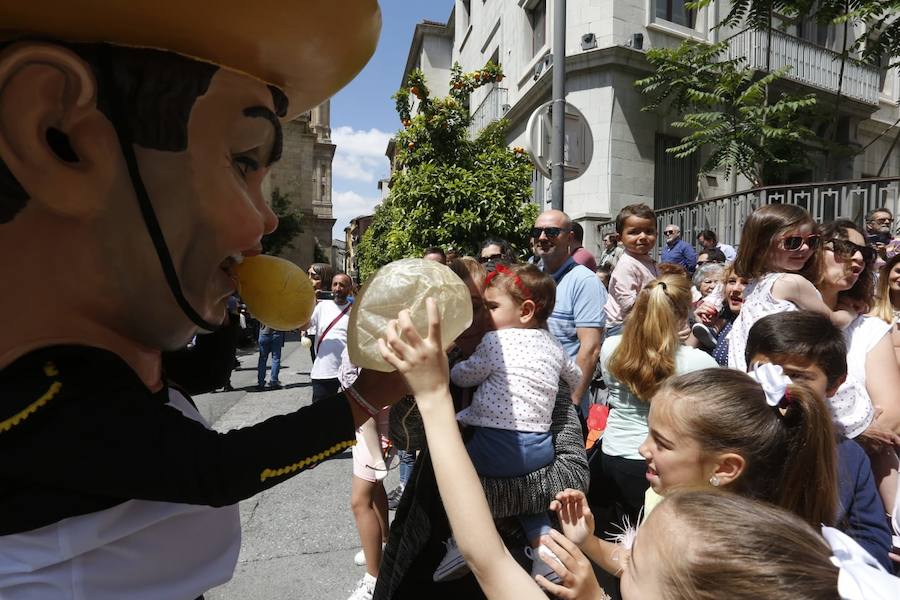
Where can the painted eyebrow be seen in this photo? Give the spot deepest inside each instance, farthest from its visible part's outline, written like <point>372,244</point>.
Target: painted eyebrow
<point>262,112</point>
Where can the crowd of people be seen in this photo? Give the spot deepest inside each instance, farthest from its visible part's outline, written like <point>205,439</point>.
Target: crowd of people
<point>133,164</point>
<point>752,418</point>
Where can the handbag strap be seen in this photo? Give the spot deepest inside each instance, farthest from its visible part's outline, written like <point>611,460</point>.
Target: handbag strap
<point>321,338</point>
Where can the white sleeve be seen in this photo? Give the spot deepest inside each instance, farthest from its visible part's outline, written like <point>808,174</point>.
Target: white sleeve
<point>314,319</point>
<point>475,369</point>
<point>571,373</point>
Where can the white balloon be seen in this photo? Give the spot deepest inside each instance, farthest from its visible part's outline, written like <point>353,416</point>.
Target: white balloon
<point>405,284</point>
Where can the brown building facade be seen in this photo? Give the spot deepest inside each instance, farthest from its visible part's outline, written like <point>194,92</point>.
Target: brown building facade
<point>304,175</point>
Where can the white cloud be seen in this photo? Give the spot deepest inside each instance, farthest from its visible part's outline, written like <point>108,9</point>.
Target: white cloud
<point>349,205</point>
<point>360,154</point>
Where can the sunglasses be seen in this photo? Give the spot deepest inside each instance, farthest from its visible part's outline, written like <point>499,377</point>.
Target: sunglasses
<point>846,250</point>
<point>494,257</point>
<point>550,232</point>
<point>881,221</point>
<point>793,243</point>
<point>669,232</point>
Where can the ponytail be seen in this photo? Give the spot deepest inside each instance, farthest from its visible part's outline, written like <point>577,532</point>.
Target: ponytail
<point>788,449</point>
<point>808,483</point>
<point>646,355</point>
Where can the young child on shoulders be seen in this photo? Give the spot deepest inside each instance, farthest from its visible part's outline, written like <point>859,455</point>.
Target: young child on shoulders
<point>780,255</point>
<point>517,369</point>
<point>812,351</point>
<point>636,226</point>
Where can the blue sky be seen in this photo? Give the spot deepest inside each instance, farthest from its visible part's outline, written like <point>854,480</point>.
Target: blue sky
<point>362,114</point>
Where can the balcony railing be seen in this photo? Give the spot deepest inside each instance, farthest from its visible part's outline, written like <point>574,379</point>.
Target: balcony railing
<point>491,108</point>
<point>825,201</point>
<point>809,64</point>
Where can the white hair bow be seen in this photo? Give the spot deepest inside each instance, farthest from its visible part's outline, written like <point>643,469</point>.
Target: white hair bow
<point>860,576</point>
<point>773,381</point>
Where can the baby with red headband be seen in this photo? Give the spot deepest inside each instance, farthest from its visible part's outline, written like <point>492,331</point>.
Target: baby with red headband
<point>517,368</point>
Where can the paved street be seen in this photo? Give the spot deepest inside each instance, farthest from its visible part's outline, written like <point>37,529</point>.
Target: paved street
<point>299,537</point>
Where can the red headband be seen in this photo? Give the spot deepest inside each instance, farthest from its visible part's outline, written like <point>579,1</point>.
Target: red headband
<point>502,269</point>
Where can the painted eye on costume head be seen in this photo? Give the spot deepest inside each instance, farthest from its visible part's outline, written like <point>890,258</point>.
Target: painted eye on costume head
<point>245,164</point>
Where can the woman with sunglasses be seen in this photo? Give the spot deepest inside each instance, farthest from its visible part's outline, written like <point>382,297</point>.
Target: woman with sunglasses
<point>781,256</point>
<point>493,251</point>
<point>873,376</point>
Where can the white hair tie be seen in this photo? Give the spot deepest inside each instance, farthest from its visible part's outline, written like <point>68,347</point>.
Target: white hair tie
<point>773,382</point>
<point>860,576</point>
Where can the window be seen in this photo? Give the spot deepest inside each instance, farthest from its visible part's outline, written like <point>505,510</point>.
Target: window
<point>812,31</point>
<point>675,179</point>
<point>537,18</point>
<point>674,11</point>
<point>465,12</point>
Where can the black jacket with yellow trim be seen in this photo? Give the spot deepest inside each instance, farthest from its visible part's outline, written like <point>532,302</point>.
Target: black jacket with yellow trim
<point>79,432</point>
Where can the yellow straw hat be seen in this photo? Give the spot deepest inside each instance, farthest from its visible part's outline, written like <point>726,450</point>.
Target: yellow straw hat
<point>307,48</point>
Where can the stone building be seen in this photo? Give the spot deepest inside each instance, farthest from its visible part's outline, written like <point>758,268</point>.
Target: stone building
<point>304,175</point>
<point>606,43</point>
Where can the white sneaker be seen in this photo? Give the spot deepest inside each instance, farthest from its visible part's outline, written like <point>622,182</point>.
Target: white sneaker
<point>453,565</point>
<point>360,558</point>
<point>539,562</point>
<point>364,589</point>
<point>705,335</point>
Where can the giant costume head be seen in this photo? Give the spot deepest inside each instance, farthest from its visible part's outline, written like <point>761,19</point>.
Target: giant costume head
<point>134,140</point>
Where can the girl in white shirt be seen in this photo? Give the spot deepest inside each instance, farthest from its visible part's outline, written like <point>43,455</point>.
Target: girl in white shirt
<point>781,256</point>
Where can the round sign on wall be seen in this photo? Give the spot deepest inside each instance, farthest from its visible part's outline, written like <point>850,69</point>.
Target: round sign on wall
<point>578,146</point>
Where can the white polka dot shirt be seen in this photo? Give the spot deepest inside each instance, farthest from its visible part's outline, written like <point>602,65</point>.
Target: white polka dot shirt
<point>517,372</point>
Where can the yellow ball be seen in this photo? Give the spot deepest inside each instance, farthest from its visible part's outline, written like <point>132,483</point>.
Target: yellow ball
<point>276,291</point>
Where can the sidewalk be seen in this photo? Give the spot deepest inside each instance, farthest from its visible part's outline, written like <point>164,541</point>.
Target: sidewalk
<point>299,538</point>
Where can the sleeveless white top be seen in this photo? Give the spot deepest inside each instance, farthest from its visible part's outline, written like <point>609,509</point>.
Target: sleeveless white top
<point>139,550</point>
<point>758,303</point>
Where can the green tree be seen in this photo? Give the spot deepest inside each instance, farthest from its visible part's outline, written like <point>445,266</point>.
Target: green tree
<point>448,189</point>
<point>290,223</point>
<point>727,111</point>
<point>869,28</point>
<point>879,37</point>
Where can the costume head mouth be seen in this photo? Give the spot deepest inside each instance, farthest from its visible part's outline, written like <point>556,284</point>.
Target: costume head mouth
<point>309,50</point>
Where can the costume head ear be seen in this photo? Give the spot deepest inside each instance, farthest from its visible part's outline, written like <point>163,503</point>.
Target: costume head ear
<point>53,141</point>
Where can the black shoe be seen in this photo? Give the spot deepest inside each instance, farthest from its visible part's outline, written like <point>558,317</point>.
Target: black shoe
<point>227,388</point>
<point>394,496</point>
<point>275,385</point>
